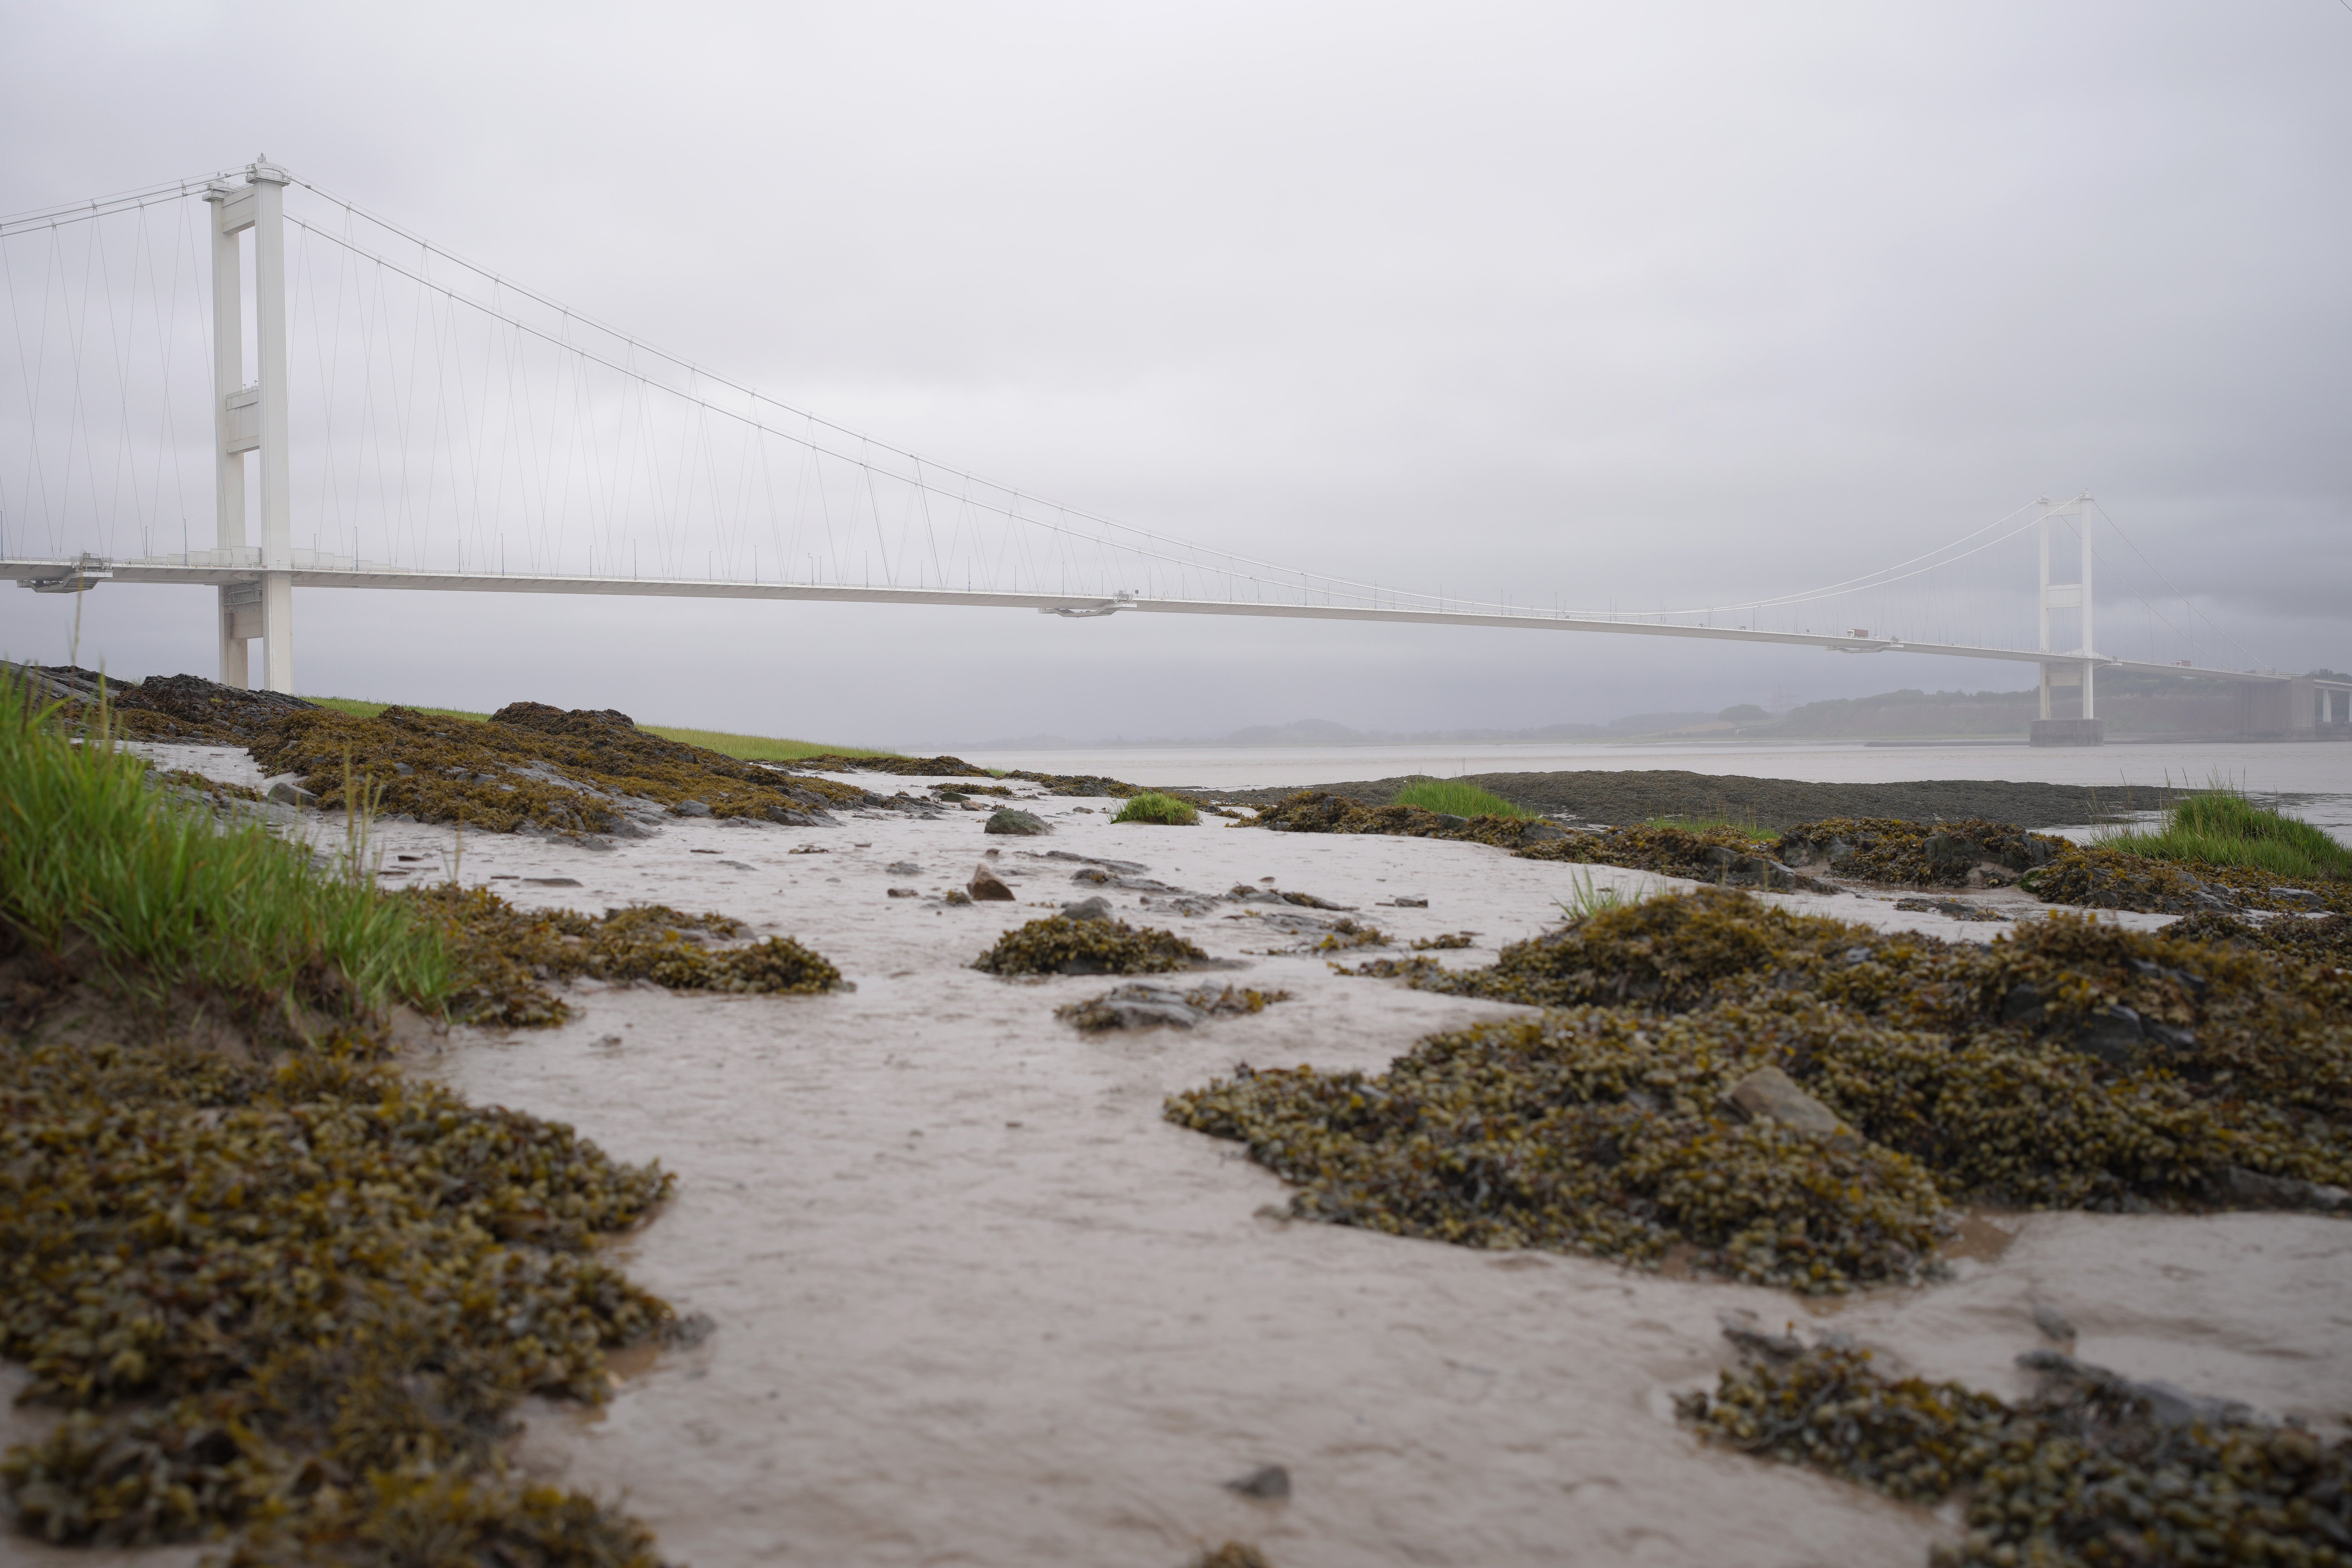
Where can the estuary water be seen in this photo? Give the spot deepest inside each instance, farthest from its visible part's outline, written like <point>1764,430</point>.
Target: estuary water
<point>2316,777</point>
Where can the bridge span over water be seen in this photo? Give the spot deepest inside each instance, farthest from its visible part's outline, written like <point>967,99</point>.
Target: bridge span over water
<point>426,374</point>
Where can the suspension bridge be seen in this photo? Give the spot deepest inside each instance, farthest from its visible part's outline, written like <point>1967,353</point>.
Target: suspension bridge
<point>251,351</point>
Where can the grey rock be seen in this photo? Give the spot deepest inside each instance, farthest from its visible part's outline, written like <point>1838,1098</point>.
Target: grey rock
<point>1094,908</point>
<point>2168,1404</point>
<point>2298,898</point>
<point>734,865</point>
<point>1139,1005</point>
<point>1025,823</point>
<point>2023,1005</point>
<point>288,793</point>
<point>1768,1094</point>
<point>1271,1482</point>
<point>1404,902</point>
<point>1092,876</point>
<point>2054,1323</point>
<point>903,868</point>
<point>1105,862</point>
<point>1740,1328</point>
<point>956,895</point>
<point>691,809</point>
<point>2113,1035</point>
<point>904,893</point>
<point>2238,1185</point>
<point>551,881</point>
<point>987,888</point>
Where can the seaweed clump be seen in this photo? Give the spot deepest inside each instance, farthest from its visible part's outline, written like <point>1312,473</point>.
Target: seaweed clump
<point>2091,1469</point>
<point>300,1302</point>
<point>2067,1064</point>
<point>2092,877</point>
<point>1318,811</point>
<point>1971,852</point>
<point>536,767</point>
<point>1059,944</point>
<point>2326,941</point>
<point>1719,854</point>
<point>1594,1132</point>
<point>505,957</point>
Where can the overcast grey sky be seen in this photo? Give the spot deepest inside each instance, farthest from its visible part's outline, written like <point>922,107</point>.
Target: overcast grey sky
<point>1656,304</point>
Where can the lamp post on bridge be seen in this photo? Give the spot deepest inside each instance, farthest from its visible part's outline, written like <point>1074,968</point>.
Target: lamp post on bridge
<point>252,419</point>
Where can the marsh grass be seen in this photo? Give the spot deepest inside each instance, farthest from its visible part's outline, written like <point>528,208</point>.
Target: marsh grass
<point>2218,826</point>
<point>1455,798</point>
<point>744,748</point>
<point>169,895</point>
<point>1163,809</point>
<point>1586,899</point>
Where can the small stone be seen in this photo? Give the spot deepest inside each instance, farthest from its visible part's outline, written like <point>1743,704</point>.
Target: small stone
<point>957,896</point>
<point>1094,908</point>
<point>286,794</point>
<point>1269,1481</point>
<point>691,809</point>
<point>2260,1188</point>
<point>551,881</point>
<point>1768,1094</point>
<point>904,893</point>
<point>1007,820</point>
<point>1093,876</point>
<point>903,868</point>
<point>1404,902</point>
<point>2054,1323</point>
<point>987,887</point>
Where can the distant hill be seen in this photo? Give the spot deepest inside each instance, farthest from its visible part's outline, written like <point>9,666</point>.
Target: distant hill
<point>2131,704</point>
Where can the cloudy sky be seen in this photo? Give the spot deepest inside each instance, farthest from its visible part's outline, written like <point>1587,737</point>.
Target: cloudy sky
<point>1654,305</point>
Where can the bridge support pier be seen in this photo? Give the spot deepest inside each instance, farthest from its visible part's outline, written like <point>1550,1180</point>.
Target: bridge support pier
<point>253,418</point>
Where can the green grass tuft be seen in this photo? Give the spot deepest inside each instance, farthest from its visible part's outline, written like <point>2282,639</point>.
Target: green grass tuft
<point>169,895</point>
<point>2218,826</point>
<point>1455,798</point>
<point>1165,810</point>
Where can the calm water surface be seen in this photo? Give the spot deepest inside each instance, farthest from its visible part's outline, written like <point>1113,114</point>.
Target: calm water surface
<point>2319,773</point>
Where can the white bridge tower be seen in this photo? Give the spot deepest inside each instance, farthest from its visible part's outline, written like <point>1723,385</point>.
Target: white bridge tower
<point>2076,669</point>
<point>252,417</point>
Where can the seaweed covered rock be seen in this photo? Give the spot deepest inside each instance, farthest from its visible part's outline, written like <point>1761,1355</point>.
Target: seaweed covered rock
<point>1720,854</point>
<point>2067,1064</point>
<point>1061,945</point>
<point>2327,939</point>
<point>1591,1130</point>
<point>1142,1005</point>
<point>2090,877</point>
<point>2092,1470</point>
<point>302,1303</point>
<point>1020,824</point>
<point>504,956</point>
<point>1317,811</point>
<point>534,766</point>
<point>1968,852</point>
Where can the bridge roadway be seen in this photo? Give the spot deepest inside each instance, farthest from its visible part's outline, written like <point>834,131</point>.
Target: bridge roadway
<point>78,573</point>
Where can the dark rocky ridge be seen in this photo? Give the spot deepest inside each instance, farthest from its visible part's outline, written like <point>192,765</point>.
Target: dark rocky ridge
<point>1622,798</point>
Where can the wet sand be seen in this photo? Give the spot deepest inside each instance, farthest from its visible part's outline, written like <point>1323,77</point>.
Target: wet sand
<point>976,1302</point>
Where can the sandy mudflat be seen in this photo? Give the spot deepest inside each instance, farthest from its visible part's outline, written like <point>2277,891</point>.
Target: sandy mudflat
<point>977,1304</point>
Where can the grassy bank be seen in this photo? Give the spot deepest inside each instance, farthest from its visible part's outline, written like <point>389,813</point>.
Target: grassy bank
<point>2221,827</point>
<point>748,748</point>
<point>164,897</point>
<point>1455,798</point>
